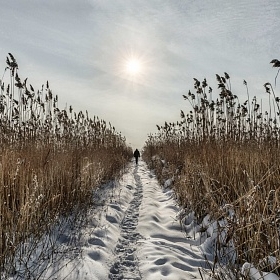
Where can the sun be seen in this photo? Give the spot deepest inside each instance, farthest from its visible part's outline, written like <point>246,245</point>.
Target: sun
<point>133,66</point>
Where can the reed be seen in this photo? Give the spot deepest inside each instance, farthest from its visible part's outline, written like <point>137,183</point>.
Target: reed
<point>51,160</point>
<point>223,156</point>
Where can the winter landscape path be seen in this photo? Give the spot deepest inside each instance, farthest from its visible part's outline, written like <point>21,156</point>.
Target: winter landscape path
<point>134,233</point>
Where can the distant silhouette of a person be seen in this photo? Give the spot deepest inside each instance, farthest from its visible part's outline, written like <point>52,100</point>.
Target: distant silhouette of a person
<point>136,154</point>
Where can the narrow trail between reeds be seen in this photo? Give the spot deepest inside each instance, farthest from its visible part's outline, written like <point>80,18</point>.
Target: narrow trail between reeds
<point>134,232</point>
<point>126,264</point>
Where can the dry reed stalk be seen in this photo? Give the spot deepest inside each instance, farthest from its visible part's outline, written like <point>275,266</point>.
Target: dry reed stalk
<point>50,161</point>
<point>226,153</point>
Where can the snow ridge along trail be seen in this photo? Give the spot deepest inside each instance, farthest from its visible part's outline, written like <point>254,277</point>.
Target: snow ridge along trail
<point>133,233</point>
<point>126,263</point>
<point>165,251</point>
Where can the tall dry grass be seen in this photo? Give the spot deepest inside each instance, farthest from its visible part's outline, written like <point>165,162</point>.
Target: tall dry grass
<point>51,160</point>
<point>223,157</point>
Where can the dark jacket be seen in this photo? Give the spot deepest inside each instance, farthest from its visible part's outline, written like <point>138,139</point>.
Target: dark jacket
<point>136,154</point>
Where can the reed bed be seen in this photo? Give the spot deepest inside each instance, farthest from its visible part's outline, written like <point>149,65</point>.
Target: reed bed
<point>223,157</point>
<point>51,160</point>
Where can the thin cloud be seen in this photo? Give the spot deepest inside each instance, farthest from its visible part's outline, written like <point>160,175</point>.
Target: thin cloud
<point>80,47</point>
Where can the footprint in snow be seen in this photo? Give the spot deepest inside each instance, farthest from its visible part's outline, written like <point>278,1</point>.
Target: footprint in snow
<point>126,264</point>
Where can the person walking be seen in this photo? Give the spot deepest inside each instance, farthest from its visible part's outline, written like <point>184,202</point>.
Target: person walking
<point>136,154</point>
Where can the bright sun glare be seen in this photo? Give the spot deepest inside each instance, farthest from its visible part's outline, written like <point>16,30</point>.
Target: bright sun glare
<point>133,66</point>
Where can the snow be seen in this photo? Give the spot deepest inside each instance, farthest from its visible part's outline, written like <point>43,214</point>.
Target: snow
<point>164,251</point>
<point>135,232</point>
<point>249,270</point>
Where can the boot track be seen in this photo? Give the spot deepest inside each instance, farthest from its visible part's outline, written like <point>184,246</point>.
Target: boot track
<point>126,264</point>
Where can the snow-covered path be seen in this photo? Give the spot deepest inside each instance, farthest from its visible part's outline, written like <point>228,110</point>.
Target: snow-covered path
<point>164,252</point>
<point>134,233</point>
<point>126,265</point>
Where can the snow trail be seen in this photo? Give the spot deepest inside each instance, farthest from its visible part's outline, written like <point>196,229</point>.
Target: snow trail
<point>134,233</point>
<point>165,252</point>
<point>126,263</point>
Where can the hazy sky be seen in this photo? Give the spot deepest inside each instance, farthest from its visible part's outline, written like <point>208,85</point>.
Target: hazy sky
<point>81,47</point>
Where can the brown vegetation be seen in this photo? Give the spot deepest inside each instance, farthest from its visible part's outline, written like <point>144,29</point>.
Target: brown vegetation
<point>224,156</point>
<point>50,160</point>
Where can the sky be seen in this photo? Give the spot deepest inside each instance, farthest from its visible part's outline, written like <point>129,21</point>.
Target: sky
<point>82,48</point>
